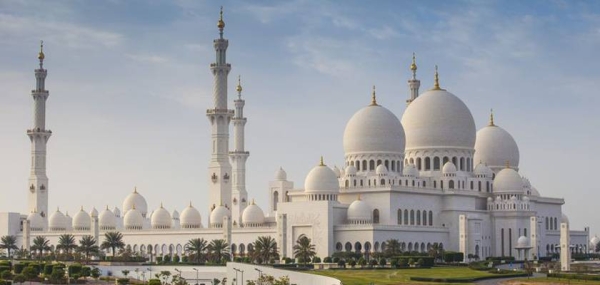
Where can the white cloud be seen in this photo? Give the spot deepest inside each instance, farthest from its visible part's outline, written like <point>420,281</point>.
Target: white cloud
<point>148,58</point>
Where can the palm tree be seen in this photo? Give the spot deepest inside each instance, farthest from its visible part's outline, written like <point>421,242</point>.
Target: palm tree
<point>219,249</point>
<point>87,246</point>
<point>9,243</point>
<point>392,247</point>
<point>265,248</point>
<point>303,249</point>
<point>197,246</point>
<point>40,243</point>
<point>436,251</point>
<point>113,240</point>
<point>66,242</point>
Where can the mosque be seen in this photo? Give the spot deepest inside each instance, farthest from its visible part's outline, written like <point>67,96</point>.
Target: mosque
<point>429,177</point>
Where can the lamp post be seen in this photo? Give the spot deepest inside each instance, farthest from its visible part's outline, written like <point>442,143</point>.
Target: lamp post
<point>196,269</point>
<point>242,271</point>
<point>259,274</point>
<point>178,271</point>
<point>236,272</point>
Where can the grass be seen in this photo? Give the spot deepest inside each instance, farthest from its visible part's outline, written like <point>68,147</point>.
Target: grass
<point>545,280</point>
<point>399,276</point>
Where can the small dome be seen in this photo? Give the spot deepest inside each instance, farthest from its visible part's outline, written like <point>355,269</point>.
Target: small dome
<point>359,212</point>
<point>564,219</point>
<point>523,241</point>
<point>190,218</point>
<point>374,129</point>
<point>337,172</point>
<point>483,170</point>
<point>449,168</point>
<point>490,199</point>
<point>321,179</point>
<point>57,221</point>
<point>82,221</point>
<point>438,119</point>
<point>217,215</point>
<point>175,215</point>
<point>508,181</point>
<point>107,220</point>
<point>253,215</point>
<point>410,171</point>
<point>135,200</point>
<point>535,192</point>
<point>525,199</point>
<point>94,213</point>
<point>133,220</point>
<point>36,222</point>
<point>350,170</point>
<point>161,219</point>
<point>494,146</point>
<point>381,170</point>
<point>498,199</point>
<point>117,212</point>
<point>280,175</point>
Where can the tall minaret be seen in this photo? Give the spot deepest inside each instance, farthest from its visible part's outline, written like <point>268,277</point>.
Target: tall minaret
<point>219,170</point>
<point>38,181</point>
<point>413,83</point>
<point>238,158</point>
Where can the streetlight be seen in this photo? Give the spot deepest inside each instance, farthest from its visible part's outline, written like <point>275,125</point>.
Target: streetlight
<point>178,271</point>
<point>196,269</point>
<point>242,271</point>
<point>259,273</point>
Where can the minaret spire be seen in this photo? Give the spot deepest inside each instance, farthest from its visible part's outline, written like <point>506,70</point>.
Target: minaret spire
<point>436,82</point>
<point>413,83</point>
<point>373,97</point>
<point>238,158</point>
<point>39,136</point>
<point>491,118</point>
<point>219,116</point>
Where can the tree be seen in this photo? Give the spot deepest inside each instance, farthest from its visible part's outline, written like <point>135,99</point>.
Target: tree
<point>9,243</point>
<point>303,249</point>
<point>265,248</point>
<point>66,242</point>
<point>218,249</point>
<point>125,272</point>
<point>22,253</point>
<point>40,244</point>
<point>30,273</point>
<point>197,247</point>
<point>19,278</point>
<point>87,246</point>
<point>392,247</point>
<point>436,251</point>
<point>113,241</point>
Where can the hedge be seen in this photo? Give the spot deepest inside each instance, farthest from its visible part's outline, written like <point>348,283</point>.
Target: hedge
<point>154,282</point>
<point>427,260</point>
<point>19,267</point>
<point>466,279</point>
<point>574,276</point>
<point>4,268</point>
<point>453,256</point>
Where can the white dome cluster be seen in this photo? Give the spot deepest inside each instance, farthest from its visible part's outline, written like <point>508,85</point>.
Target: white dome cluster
<point>36,222</point>
<point>359,212</point>
<point>133,219</point>
<point>253,216</point>
<point>82,221</point>
<point>107,221</point>
<point>321,183</point>
<point>190,218</point>
<point>217,216</point>
<point>161,219</point>
<point>495,147</point>
<point>373,129</point>
<point>508,181</point>
<point>58,221</point>
<point>280,175</point>
<point>135,200</point>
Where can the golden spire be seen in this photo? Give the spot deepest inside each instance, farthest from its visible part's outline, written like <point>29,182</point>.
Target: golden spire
<point>492,117</point>
<point>190,204</point>
<point>239,86</point>
<point>161,205</point>
<point>507,164</point>
<point>321,163</point>
<point>81,208</point>
<point>221,23</point>
<point>135,189</point>
<point>373,97</point>
<point>436,84</point>
<point>358,197</point>
<point>41,55</point>
<point>413,66</point>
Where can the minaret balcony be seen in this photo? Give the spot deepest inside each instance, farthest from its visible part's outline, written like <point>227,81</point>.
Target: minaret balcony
<point>219,111</point>
<point>38,131</point>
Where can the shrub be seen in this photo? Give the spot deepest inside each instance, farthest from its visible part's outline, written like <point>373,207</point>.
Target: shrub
<point>75,269</point>
<point>6,275</point>
<point>382,262</point>
<point>176,258</point>
<point>58,274</point>
<point>342,263</point>
<point>123,281</point>
<point>327,259</point>
<point>352,263</point>
<point>19,278</point>
<point>420,262</point>
<point>453,256</point>
<point>394,262</point>
<point>30,273</point>
<point>373,262</point>
<point>166,258</point>
<point>362,261</point>
<point>316,259</point>
<point>154,282</point>
<point>19,267</point>
<point>185,259</point>
<point>159,259</point>
<point>86,271</point>
<point>4,268</point>
<point>402,262</point>
<point>336,259</point>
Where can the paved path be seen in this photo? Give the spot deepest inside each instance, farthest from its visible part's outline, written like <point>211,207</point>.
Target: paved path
<point>499,280</point>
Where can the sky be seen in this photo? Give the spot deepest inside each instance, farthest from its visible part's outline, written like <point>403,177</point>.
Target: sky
<point>130,83</point>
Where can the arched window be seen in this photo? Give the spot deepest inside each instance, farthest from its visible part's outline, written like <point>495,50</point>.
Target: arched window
<point>455,161</point>
<point>479,185</point>
<point>412,217</point>
<point>406,217</point>
<point>546,223</point>
<point>451,184</point>
<point>442,184</point>
<point>348,246</point>
<point>376,216</point>
<point>364,167</point>
<point>357,247</point>
<point>338,246</point>
<point>427,163</point>
<point>419,163</point>
<point>446,159</point>
<point>424,184</point>
<point>424,217</point>
<point>487,186</point>
<point>372,165</point>
<point>431,218</point>
<point>555,223</point>
<point>434,184</point>
<point>468,164</point>
<point>387,164</point>
<point>275,200</point>
<point>399,216</point>
<point>354,182</point>
<point>382,182</point>
<point>471,185</point>
<point>418,217</point>
<point>413,183</point>
<point>393,166</point>
<point>462,164</point>
<point>436,163</point>
<point>347,183</point>
<point>358,165</point>
<point>412,161</point>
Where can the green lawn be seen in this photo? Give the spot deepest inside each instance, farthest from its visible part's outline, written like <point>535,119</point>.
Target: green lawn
<point>544,280</point>
<point>398,276</point>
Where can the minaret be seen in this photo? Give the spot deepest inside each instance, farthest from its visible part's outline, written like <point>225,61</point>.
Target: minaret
<point>413,83</point>
<point>238,158</point>
<point>38,181</point>
<point>219,169</point>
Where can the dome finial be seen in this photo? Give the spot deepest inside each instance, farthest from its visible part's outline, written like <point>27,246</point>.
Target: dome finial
<point>161,205</point>
<point>321,163</point>
<point>358,198</point>
<point>413,66</point>
<point>239,86</point>
<point>190,204</point>
<point>507,164</point>
<point>436,84</point>
<point>221,23</point>
<point>373,97</point>
<point>41,55</point>
<point>135,189</point>
<point>492,117</point>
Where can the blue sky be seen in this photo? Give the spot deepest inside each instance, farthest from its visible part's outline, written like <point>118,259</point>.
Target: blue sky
<point>129,84</point>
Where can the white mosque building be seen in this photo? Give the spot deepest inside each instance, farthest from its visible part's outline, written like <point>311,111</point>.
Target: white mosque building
<point>429,177</point>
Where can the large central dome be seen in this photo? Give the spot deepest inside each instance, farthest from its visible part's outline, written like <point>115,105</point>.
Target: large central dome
<point>438,119</point>
<point>373,129</point>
